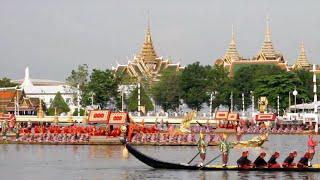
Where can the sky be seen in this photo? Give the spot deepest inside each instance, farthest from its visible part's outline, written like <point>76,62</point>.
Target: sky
<point>52,37</point>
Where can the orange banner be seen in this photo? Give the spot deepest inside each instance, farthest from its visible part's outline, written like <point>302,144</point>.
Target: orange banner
<point>265,117</point>
<point>99,116</point>
<point>118,118</point>
<point>233,117</point>
<point>221,115</point>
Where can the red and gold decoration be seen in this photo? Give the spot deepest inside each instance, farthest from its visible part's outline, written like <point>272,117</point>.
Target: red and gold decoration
<point>99,116</point>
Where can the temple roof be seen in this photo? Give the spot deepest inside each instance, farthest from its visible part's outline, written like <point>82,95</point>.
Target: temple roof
<point>302,61</point>
<point>232,52</point>
<point>146,66</point>
<point>148,53</point>
<point>267,51</point>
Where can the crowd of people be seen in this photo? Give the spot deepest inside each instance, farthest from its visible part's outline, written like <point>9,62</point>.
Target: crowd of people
<point>50,132</point>
<point>169,138</point>
<point>275,129</point>
<point>260,162</point>
<point>53,138</point>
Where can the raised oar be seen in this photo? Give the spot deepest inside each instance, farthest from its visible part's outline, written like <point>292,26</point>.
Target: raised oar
<point>193,158</point>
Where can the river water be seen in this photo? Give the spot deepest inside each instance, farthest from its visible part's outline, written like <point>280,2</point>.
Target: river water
<point>57,162</point>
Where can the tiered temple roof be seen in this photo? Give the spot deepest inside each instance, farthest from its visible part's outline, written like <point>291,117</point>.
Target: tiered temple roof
<point>231,54</point>
<point>147,65</point>
<point>267,51</point>
<point>12,98</point>
<point>266,56</point>
<point>302,61</point>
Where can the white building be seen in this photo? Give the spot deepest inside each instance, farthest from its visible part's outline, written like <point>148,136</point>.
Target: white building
<point>46,89</point>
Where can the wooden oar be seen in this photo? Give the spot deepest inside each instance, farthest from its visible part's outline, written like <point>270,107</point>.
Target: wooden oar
<point>199,123</point>
<point>211,161</point>
<point>198,152</point>
<point>193,158</point>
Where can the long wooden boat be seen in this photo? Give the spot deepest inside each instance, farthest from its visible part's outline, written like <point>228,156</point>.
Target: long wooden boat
<point>256,141</point>
<point>158,164</point>
<point>61,143</point>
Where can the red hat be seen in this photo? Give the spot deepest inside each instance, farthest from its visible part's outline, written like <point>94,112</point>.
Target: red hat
<point>294,152</point>
<point>245,153</point>
<point>306,155</point>
<point>263,153</point>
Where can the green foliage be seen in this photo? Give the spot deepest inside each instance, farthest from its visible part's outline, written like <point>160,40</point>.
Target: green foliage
<point>306,85</point>
<point>104,85</point>
<point>126,79</point>
<point>145,100</point>
<point>219,83</point>
<point>6,82</point>
<point>79,76</point>
<point>75,113</point>
<point>279,84</point>
<point>244,81</point>
<point>167,91</point>
<point>194,85</point>
<point>59,103</point>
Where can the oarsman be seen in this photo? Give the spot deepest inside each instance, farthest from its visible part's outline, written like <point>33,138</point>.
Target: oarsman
<point>272,163</point>
<point>16,130</point>
<point>4,129</point>
<point>224,147</point>
<point>243,161</point>
<point>239,132</point>
<point>202,147</point>
<point>311,148</point>
<point>260,162</point>
<point>303,163</point>
<point>288,162</point>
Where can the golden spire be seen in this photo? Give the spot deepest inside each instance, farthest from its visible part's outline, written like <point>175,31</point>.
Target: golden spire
<point>267,48</point>
<point>267,37</point>
<point>148,54</point>
<point>232,52</point>
<point>302,60</point>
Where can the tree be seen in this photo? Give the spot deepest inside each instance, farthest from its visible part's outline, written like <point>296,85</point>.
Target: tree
<point>144,100</point>
<point>244,81</point>
<point>279,84</point>
<point>6,82</point>
<point>167,91</point>
<point>193,85</point>
<point>79,76</point>
<point>305,77</point>
<point>104,84</point>
<point>219,83</point>
<point>60,104</point>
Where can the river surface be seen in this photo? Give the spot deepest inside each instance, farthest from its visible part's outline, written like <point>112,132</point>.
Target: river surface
<point>57,162</point>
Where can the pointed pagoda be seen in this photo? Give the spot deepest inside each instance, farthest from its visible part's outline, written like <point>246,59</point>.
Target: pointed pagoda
<point>148,53</point>
<point>267,51</point>
<point>266,56</point>
<point>147,66</point>
<point>231,54</point>
<point>302,61</point>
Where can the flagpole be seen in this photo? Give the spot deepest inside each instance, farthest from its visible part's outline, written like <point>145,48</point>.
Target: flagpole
<point>315,99</point>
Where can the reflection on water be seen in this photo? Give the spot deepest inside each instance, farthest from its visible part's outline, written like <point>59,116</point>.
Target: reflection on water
<point>106,162</point>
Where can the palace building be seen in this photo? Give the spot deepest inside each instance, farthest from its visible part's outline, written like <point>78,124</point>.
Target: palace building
<point>147,66</point>
<point>46,90</point>
<point>266,56</point>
